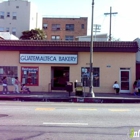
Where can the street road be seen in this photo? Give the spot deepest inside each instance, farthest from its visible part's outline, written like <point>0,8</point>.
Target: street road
<point>68,121</point>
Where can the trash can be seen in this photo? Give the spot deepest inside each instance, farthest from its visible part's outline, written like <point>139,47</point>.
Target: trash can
<point>69,87</point>
<point>78,88</point>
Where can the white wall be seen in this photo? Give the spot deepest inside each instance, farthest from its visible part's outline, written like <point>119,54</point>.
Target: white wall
<point>35,18</point>
<point>102,37</point>
<point>94,39</point>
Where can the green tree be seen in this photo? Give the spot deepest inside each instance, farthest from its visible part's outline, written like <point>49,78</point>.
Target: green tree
<point>34,34</point>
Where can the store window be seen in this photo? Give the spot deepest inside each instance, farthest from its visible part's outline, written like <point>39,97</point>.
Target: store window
<point>85,74</point>
<point>9,71</point>
<point>30,75</point>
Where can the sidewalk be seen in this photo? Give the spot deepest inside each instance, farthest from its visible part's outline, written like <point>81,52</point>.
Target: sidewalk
<point>64,97</point>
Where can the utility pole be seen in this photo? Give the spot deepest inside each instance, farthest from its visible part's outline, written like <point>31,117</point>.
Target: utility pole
<point>110,20</point>
<point>91,55</point>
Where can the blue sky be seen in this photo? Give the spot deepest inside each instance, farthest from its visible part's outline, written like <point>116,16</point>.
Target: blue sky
<point>125,25</point>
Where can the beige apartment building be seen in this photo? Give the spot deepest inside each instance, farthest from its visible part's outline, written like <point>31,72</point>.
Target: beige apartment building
<point>64,28</point>
<point>49,65</point>
<point>17,16</point>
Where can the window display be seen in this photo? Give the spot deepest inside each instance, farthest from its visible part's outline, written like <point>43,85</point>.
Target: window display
<point>29,76</point>
<point>85,76</point>
<point>9,71</point>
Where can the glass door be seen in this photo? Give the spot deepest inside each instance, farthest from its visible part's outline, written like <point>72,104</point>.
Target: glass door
<point>124,81</point>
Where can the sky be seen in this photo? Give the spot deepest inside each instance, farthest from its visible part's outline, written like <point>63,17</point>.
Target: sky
<point>125,25</point>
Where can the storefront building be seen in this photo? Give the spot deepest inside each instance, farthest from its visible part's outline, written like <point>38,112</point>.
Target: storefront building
<point>48,65</point>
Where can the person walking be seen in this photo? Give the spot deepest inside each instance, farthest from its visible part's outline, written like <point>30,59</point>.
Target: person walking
<point>135,88</point>
<point>16,85</point>
<point>4,84</point>
<point>116,87</point>
<point>138,85</point>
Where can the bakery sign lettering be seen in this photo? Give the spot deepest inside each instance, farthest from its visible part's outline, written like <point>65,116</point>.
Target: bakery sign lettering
<point>49,58</point>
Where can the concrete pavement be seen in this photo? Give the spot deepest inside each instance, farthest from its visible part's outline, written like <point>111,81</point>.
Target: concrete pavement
<point>64,97</point>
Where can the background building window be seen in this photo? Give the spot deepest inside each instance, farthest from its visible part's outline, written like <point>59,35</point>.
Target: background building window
<point>14,15</point>
<point>69,38</point>
<point>7,29</point>
<point>1,29</point>
<point>69,27</point>
<point>85,73</point>
<point>9,71</point>
<point>8,14</point>
<point>82,26</point>
<point>55,27</point>
<point>14,31</point>
<point>55,37</point>
<point>1,15</point>
<point>45,26</point>
<point>29,76</point>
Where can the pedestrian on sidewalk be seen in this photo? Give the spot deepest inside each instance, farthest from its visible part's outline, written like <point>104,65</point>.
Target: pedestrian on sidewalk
<point>138,85</point>
<point>135,88</point>
<point>16,85</point>
<point>25,89</point>
<point>4,84</point>
<point>116,87</point>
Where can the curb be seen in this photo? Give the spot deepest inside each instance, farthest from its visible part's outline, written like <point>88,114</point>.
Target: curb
<point>105,100</point>
<point>75,99</point>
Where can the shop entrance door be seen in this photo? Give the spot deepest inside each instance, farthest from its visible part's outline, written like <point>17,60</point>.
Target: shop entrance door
<point>59,78</point>
<point>124,80</point>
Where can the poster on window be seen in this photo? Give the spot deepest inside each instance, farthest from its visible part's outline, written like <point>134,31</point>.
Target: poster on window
<point>1,70</point>
<point>85,76</point>
<point>30,75</point>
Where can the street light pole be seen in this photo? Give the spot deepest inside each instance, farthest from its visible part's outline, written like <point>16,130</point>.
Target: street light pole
<point>91,55</point>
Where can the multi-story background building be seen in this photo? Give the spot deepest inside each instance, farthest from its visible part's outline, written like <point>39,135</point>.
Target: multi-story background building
<point>64,28</point>
<point>17,16</point>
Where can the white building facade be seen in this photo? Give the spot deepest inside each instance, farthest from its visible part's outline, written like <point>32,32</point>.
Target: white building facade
<point>17,16</point>
<point>99,37</point>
